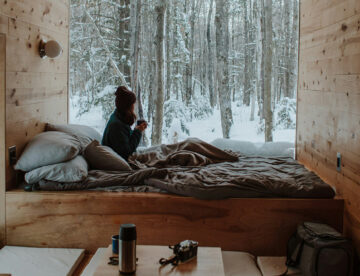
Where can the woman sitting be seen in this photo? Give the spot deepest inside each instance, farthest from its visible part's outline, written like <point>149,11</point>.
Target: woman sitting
<point>117,134</point>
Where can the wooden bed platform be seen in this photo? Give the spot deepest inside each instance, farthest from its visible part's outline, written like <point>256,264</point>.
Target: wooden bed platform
<point>87,219</point>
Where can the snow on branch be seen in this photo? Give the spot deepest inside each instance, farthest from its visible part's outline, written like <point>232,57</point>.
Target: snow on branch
<point>108,53</point>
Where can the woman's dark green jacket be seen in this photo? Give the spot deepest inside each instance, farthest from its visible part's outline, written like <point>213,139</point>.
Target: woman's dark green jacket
<point>120,137</point>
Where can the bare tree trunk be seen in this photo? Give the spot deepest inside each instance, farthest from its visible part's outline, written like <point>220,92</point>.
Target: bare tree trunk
<point>257,70</point>
<point>150,84</point>
<point>189,65</point>
<point>135,57</point>
<point>247,71</point>
<point>159,41</point>
<point>286,57</point>
<point>262,61</point>
<point>124,35</point>
<point>168,52</point>
<point>210,57</point>
<point>177,62</point>
<point>294,50</point>
<point>222,54</point>
<point>252,111</point>
<point>268,71</point>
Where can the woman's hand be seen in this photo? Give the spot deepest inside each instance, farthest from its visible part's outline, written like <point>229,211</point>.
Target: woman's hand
<point>142,126</point>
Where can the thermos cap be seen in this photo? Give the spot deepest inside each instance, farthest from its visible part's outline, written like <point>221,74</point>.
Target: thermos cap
<point>128,232</point>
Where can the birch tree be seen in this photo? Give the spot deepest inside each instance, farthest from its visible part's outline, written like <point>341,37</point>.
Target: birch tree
<point>222,54</point>
<point>293,59</point>
<point>135,85</point>
<point>159,41</point>
<point>248,58</point>
<point>268,71</point>
<point>124,35</point>
<point>210,70</point>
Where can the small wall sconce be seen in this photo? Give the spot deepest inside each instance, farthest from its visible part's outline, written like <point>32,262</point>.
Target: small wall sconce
<point>51,49</point>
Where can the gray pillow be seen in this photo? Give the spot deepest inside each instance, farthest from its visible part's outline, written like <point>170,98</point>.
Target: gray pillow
<point>84,134</point>
<point>48,148</point>
<point>74,170</point>
<point>104,158</point>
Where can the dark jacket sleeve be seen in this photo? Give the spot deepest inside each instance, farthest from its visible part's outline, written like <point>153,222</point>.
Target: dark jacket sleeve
<point>123,140</point>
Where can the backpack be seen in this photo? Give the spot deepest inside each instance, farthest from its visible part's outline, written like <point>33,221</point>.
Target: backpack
<point>319,250</point>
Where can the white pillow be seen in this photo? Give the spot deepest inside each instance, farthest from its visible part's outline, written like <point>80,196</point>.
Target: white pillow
<point>104,158</point>
<point>48,148</point>
<point>74,170</point>
<point>84,134</point>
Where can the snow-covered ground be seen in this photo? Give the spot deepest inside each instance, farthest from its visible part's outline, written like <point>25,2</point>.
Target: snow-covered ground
<point>207,129</point>
<point>93,118</point>
<point>242,129</point>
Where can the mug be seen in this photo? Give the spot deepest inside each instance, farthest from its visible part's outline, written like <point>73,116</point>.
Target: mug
<point>115,244</point>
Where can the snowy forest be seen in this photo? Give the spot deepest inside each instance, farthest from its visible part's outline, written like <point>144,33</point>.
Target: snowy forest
<point>200,68</point>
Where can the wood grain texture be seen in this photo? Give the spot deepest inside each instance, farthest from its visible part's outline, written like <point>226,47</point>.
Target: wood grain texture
<point>36,89</point>
<point>88,219</point>
<point>208,262</point>
<point>329,99</point>
<point>84,262</point>
<point>50,14</point>
<point>2,138</point>
<point>3,24</point>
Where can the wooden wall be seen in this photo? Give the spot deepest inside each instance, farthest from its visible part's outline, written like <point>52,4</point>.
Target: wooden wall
<point>36,89</point>
<point>329,99</point>
<point>2,137</point>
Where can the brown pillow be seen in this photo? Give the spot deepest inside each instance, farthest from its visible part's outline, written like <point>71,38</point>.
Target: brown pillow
<point>104,158</point>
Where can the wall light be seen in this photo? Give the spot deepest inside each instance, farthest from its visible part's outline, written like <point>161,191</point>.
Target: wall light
<point>51,49</point>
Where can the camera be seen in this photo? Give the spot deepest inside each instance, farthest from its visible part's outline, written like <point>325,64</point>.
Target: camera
<point>186,250</point>
<point>182,252</point>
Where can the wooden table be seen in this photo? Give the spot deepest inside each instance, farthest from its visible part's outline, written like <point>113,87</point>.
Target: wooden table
<point>208,262</point>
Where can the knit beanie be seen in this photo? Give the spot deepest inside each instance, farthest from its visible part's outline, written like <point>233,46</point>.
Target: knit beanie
<point>124,99</point>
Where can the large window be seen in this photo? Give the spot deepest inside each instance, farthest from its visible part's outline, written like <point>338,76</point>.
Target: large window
<point>201,68</point>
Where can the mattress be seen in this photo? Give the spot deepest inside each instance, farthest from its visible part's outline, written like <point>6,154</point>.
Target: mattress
<point>197,169</point>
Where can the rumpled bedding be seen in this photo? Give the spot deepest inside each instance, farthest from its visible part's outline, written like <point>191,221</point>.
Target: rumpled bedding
<point>197,169</point>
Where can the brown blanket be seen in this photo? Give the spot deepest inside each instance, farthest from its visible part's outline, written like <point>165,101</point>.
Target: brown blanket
<point>195,168</point>
<point>191,152</point>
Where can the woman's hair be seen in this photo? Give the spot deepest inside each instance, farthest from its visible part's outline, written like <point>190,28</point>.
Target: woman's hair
<point>124,101</point>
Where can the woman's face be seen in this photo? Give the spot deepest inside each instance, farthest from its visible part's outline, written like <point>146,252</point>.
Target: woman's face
<point>133,107</point>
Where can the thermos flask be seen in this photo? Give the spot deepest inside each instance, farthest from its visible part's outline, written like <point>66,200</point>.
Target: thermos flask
<point>127,249</point>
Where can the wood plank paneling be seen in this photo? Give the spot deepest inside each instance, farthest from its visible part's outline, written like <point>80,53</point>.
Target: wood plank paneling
<point>2,137</point>
<point>23,43</point>
<point>329,99</point>
<point>51,14</point>
<point>87,219</point>
<point>36,89</point>
<point>3,24</point>
<point>317,14</point>
<point>334,32</point>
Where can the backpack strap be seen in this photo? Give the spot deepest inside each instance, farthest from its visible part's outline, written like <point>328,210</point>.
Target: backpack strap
<point>293,257</point>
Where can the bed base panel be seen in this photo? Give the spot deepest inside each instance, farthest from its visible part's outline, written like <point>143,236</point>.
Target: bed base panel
<point>87,219</point>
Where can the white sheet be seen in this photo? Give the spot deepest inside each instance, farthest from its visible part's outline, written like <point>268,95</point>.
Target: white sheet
<point>32,261</point>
